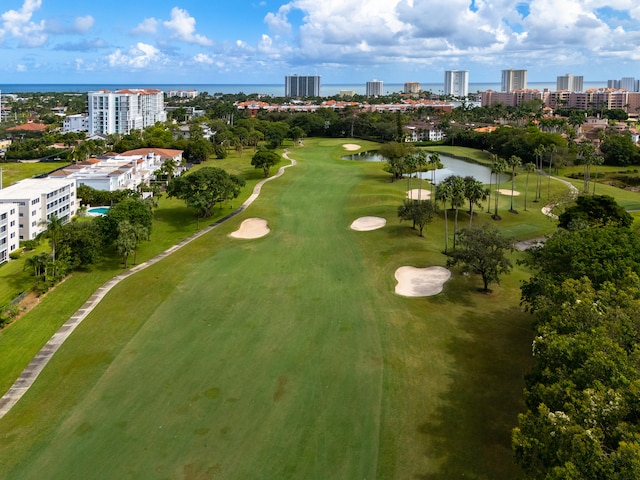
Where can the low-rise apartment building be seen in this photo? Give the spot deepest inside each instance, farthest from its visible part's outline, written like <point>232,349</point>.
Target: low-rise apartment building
<point>125,171</point>
<point>39,199</point>
<point>9,235</point>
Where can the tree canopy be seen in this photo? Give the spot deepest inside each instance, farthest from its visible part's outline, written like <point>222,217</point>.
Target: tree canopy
<point>595,210</point>
<point>483,249</point>
<point>204,188</point>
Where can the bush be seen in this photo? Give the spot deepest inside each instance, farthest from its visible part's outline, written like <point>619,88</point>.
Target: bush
<point>14,255</point>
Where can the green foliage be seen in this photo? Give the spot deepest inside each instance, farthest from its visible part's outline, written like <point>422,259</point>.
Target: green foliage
<point>80,243</point>
<point>15,255</point>
<point>420,212</point>
<point>605,254</point>
<point>595,210</point>
<point>583,415</point>
<point>483,250</point>
<point>619,149</point>
<point>198,151</point>
<point>265,159</point>
<point>132,210</point>
<point>204,188</point>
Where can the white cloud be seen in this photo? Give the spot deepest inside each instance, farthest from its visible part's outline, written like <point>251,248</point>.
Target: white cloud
<point>83,24</point>
<point>203,58</point>
<point>18,24</point>
<point>139,56</point>
<point>147,26</point>
<point>183,27</point>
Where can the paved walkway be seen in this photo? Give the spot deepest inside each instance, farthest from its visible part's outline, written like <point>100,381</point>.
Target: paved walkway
<point>573,192</point>
<point>37,364</point>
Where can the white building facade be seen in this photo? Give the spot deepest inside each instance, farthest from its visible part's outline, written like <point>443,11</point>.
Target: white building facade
<point>75,123</point>
<point>298,86</point>
<point>456,83</point>
<point>375,88</point>
<point>569,82</point>
<point>9,235</point>
<point>39,199</point>
<point>126,171</point>
<point>514,80</point>
<point>124,110</point>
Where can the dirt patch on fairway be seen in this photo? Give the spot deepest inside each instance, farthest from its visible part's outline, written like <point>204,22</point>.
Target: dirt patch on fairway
<point>281,388</point>
<point>506,191</point>
<point>351,147</point>
<point>365,224</point>
<point>421,194</point>
<point>421,282</point>
<point>252,228</point>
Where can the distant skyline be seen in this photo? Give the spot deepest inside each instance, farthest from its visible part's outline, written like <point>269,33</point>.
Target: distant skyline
<point>346,41</point>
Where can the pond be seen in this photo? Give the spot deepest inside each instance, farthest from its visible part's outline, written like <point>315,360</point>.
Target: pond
<point>452,166</point>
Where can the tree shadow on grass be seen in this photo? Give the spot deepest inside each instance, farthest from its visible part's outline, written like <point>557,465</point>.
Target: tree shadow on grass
<point>469,436</point>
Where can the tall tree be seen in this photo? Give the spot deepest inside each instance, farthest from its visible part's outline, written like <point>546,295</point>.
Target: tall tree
<point>475,192</point>
<point>435,163</point>
<point>528,169</point>
<point>443,193</point>
<point>457,200</point>
<point>483,250</point>
<point>498,168</point>
<point>513,162</point>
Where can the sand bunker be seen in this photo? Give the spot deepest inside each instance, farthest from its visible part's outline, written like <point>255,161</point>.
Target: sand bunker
<point>351,146</point>
<point>504,191</point>
<point>252,228</point>
<point>364,224</point>
<point>417,193</point>
<point>421,282</point>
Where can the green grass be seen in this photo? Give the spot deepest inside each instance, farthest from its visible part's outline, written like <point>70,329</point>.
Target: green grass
<point>283,357</point>
<point>13,171</point>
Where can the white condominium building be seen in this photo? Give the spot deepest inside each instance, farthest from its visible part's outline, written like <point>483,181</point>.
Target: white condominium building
<point>9,236</point>
<point>569,82</point>
<point>374,88</point>
<point>514,80</point>
<point>124,110</point>
<point>39,199</point>
<point>299,86</point>
<point>456,83</point>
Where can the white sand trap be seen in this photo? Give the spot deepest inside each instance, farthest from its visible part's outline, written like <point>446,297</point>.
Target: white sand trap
<point>506,191</point>
<point>421,282</point>
<point>365,224</point>
<point>351,146</point>
<point>417,193</point>
<point>252,228</point>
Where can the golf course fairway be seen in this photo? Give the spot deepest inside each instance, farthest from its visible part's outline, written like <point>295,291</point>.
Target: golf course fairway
<point>285,356</point>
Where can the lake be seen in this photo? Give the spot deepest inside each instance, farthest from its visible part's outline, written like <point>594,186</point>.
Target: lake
<point>452,166</point>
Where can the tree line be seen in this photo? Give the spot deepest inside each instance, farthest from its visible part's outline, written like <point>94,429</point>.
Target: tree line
<point>582,417</point>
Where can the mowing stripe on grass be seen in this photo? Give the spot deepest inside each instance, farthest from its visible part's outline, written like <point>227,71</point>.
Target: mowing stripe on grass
<point>35,367</point>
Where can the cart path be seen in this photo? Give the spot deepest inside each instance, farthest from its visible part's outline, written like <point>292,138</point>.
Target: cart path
<point>532,242</point>
<point>37,364</point>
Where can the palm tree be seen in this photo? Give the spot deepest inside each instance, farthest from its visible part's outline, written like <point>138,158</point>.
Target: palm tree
<point>475,192</point>
<point>495,158</point>
<point>411,165</point>
<point>443,193</point>
<point>498,168</point>
<point>457,197</point>
<point>597,160</point>
<point>538,152</point>
<point>586,154</point>
<point>529,167</point>
<point>435,163</point>
<point>551,149</point>
<point>513,162</point>
<point>421,162</point>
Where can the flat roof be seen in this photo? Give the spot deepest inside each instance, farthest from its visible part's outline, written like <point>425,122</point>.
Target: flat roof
<point>32,187</point>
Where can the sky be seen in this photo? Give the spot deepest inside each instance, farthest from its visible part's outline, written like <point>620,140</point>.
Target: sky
<point>343,41</point>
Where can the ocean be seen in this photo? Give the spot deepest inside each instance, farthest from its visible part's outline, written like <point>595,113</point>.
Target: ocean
<point>274,90</point>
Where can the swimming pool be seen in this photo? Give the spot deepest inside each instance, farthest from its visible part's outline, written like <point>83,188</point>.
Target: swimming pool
<point>97,211</point>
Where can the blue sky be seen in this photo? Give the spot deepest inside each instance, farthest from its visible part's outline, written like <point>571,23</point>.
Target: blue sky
<point>344,41</point>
